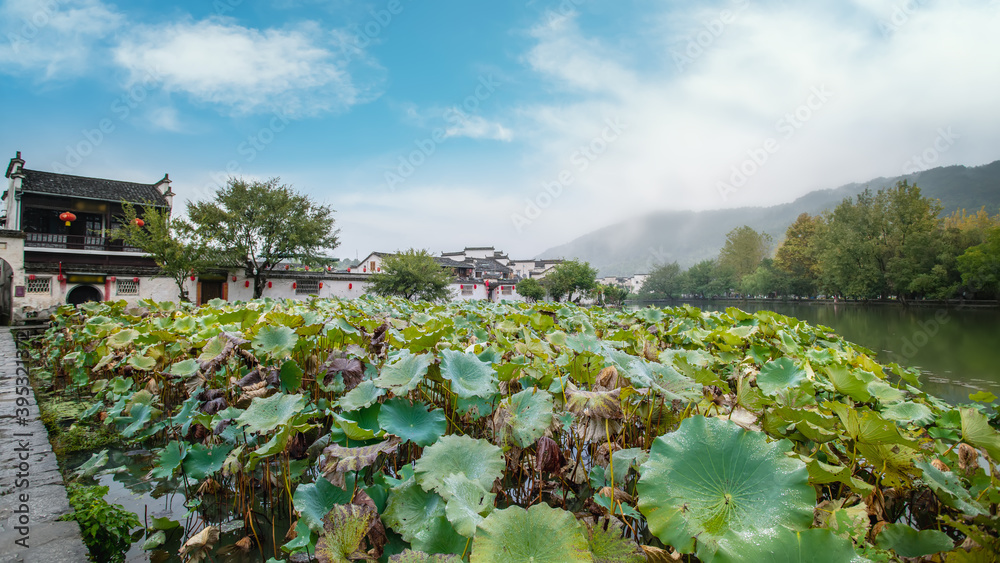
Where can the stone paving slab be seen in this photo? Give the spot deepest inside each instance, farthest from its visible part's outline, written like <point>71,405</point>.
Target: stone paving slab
<point>32,493</point>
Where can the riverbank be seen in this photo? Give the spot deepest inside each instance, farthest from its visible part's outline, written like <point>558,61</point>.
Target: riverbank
<point>735,302</point>
<point>32,493</point>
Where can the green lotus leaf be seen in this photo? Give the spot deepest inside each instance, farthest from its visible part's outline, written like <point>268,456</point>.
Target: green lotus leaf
<point>169,459</point>
<point>405,374</point>
<point>361,424</point>
<point>343,538</point>
<point>341,459</point>
<point>817,545</point>
<point>723,485</point>
<point>529,414</point>
<point>948,488</point>
<point>185,368</point>
<point>853,383</point>
<point>412,422</point>
<point>155,540</point>
<point>821,473</point>
<point>362,396</point>
<point>141,363</point>
<point>139,416</point>
<point>541,534</point>
<point>410,556</point>
<point>419,517</point>
<point>202,461</point>
<point>869,427</point>
<point>663,379</point>
<point>977,432</point>
<point>467,503</point>
<point>608,545</point>
<point>469,376</point>
<point>278,341</point>
<point>266,414</point>
<point>907,542</point>
<point>314,500</point>
<point>884,392</point>
<point>477,459</point>
<point>893,464</point>
<point>93,465</point>
<point>623,460</point>
<point>909,413</point>
<point>780,374</point>
<point>122,338</point>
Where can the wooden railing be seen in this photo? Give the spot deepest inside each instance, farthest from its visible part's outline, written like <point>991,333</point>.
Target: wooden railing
<point>77,242</point>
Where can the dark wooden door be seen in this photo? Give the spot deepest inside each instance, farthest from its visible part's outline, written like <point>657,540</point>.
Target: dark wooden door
<point>210,290</point>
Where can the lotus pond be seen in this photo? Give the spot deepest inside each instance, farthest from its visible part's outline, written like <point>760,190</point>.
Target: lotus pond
<point>386,430</point>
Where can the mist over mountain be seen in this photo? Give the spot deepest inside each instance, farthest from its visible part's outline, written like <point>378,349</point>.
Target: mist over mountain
<point>638,245</point>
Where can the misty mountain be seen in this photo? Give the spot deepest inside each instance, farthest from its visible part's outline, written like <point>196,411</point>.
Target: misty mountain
<point>638,245</point>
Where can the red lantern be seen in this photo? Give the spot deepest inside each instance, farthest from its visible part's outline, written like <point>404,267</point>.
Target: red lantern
<point>475,286</point>
<point>67,216</point>
<point>269,285</point>
<point>350,286</point>
<point>246,283</point>
<point>461,287</point>
<point>135,280</point>
<point>192,278</point>
<point>286,266</point>
<point>307,268</point>
<point>112,279</point>
<point>138,222</point>
<point>348,270</point>
<point>31,277</point>
<point>380,269</point>
<point>234,278</point>
<point>295,285</point>
<point>365,269</point>
<point>321,285</point>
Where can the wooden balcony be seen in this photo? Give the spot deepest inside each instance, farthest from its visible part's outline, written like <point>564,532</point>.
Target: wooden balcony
<point>76,242</point>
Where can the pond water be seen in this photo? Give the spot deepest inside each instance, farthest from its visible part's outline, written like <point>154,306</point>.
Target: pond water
<point>124,475</point>
<point>956,349</point>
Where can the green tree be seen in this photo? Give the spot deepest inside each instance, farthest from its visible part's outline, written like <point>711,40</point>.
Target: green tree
<point>744,250</point>
<point>664,282</point>
<point>259,224</point>
<point>704,279</point>
<point>170,242</point>
<point>568,278</point>
<point>413,274</point>
<point>797,255</point>
<point>980,265</point>
<point>615,295</point>
<point>765,280</point>
<point>881,244</point>
<point>530,289</point>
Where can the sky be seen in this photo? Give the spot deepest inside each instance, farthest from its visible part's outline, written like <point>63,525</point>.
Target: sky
<point>519,125</point>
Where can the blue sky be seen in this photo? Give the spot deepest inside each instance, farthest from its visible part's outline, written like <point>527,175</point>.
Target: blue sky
<point>516,124</point>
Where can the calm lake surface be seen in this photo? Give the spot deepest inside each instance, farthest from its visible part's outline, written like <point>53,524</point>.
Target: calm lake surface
<point>956,349</point>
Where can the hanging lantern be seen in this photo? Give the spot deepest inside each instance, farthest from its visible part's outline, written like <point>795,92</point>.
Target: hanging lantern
<point>350,286</point>
<point>234,278</point>
<point>295,285</point>
<point>138,222</point>
<point>192,278</point>
<point>246,283</point>
<point>286,266</point>
<point>365,269</point>
<point>269,285</point>
<point>112,279</point>
<point>321,285</point>
<point>67,216</point>
<point>475,286</point>
<point>135,280</point>
<point>380,269</point>
<point>31,277</point>
<point>307,268</point>
<point>461,287</point>
<point>348,270</point>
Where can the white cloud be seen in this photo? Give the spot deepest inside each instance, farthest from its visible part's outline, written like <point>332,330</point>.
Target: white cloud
<point>688,128</point>
<point>55,37</point>
<point>296,70</point>
<point>477,127</point>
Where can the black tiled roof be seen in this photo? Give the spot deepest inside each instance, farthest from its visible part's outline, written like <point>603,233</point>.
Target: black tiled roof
<point>93,188</point>
<point>449,263</point>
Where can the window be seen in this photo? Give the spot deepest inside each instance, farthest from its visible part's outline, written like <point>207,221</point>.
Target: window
<point>39,285</point>
<point>127,287</point>
<point>506,289</point>
<point>306,287</point>
<point>466,290</point>
<point>371,266</point>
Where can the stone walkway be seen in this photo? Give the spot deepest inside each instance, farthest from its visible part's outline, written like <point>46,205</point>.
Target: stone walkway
<point>32,494</point>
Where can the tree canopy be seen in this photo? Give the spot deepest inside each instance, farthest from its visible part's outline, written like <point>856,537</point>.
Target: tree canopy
<point>261,223</point>
<point>413,274</point>
<point>664,282</point>
<point>172,243</point>
<point>530,289</point>
<point>744,250</point>
<point>568,278</point>
<point>980,265</point>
